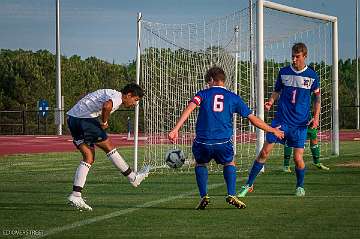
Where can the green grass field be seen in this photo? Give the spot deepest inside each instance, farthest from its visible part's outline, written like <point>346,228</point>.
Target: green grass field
<point>33,193</point>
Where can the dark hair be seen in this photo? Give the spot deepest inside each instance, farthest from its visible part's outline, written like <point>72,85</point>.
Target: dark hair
<point>134,89</point>
<point>299,47</point>
<point>215,73</point>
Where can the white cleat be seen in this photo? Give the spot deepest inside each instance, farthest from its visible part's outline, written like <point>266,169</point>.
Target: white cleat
<point>78,202</point>
<point>141,175</point>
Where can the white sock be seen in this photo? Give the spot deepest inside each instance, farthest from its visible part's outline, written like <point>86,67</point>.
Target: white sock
<point>120,163</point>
<point>76,194</point>
<point>80,175</point>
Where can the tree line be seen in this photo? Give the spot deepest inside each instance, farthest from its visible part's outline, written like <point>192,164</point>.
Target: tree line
<point>27,76</point>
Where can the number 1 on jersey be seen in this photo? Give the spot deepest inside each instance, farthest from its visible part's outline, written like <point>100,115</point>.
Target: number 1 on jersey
<point>293,97</point>
<point>218,103</point>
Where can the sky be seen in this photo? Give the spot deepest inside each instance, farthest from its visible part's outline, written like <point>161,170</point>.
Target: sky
<point>107,29</point>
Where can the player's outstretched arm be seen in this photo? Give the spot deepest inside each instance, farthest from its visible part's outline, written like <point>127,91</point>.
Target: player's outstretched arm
<point>264,126</point>
<point>174,133</point>
<point>272,99</point>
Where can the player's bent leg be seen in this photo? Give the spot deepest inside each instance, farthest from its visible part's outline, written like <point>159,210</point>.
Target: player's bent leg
<point>224,154</point>
<point>229,173</point>
<point>105,145</point>
<point>300,171</point>
<point>113,155</point>
<point>75,198</point>
<point>265,152</point>
<point>201,173</point>
<point>298,158</point>
<point>256,168</point>
<point>87,152</point>
<point>202,155</point>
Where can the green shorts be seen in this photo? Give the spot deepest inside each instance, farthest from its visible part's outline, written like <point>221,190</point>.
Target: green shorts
<point>312,133</point>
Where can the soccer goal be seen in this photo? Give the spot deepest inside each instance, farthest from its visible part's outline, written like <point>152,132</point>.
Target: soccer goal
<point>173,58</point>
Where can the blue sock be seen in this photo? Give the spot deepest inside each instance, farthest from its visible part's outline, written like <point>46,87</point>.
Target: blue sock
<point>254,172</point>
<point>300,173</point>
<point>201,173</point>
<point>230,179</point>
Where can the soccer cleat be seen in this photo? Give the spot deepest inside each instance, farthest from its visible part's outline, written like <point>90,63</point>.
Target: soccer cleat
<point>300,192</point>
<point>203,203</point>
<point>321,166</point>
<point>78,202</point>
<point>141,175</point>
<point>286,169</point>
<point>244,190</point>
<point>233,200</point>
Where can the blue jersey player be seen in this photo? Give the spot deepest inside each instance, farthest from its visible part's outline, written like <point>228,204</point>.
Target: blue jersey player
<point>294,85</point>
<point>214,131</point>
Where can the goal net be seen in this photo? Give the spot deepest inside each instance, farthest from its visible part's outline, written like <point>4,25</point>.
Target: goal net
<point>175,57</point>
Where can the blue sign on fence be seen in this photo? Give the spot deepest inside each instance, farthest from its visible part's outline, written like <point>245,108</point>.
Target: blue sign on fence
<point>43,108</point>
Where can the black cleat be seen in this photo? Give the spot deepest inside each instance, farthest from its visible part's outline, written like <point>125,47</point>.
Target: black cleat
<point>203,203</point>
<point>233,200</point>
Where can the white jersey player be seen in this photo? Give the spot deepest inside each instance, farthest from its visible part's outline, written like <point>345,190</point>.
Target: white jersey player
<point>87,122</point>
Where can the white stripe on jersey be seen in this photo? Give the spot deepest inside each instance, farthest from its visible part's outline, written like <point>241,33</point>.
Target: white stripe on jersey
<point>297,81</point>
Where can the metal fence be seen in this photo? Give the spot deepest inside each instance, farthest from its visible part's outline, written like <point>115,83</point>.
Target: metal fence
<point>32,122</point>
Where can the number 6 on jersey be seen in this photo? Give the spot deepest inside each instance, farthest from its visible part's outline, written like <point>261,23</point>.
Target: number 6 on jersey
<point>218,103</point>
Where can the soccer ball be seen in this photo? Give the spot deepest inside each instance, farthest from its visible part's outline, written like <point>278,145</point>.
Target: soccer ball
<point>175,158</point>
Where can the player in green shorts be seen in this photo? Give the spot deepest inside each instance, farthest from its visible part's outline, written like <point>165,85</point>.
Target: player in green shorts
<point>315,151</point>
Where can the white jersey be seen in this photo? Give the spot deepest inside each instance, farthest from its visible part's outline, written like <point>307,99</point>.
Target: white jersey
<point>90,106</point>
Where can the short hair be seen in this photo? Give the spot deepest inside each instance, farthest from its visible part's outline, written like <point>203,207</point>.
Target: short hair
<point>300,47</point>
<point>215,73</point>
<point>134,89</point>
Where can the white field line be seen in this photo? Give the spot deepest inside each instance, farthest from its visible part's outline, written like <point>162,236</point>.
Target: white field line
<point>56,230</point>
<point>73,225</point>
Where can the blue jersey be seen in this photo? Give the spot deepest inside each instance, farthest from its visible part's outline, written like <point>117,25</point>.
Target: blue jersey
<point>215,118</point>
<point>295,88</point>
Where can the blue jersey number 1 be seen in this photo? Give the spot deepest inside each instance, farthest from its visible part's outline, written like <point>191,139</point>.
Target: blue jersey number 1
<point>293,100</point>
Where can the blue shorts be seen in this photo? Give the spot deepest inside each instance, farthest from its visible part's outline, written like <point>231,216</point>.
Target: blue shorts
<point>222,153</point>
<point>295,137</point>
<point>86,131</point>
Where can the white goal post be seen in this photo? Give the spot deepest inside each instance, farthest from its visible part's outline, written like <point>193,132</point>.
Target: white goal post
<point>172,59</point>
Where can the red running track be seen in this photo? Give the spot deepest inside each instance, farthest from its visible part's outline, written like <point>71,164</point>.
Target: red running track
<point>28,144</point>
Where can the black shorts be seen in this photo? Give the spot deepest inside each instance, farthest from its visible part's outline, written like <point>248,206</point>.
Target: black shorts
<point>86,131</point>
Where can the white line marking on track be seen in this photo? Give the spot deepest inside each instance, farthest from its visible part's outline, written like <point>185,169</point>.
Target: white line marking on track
<point>46,137</point>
